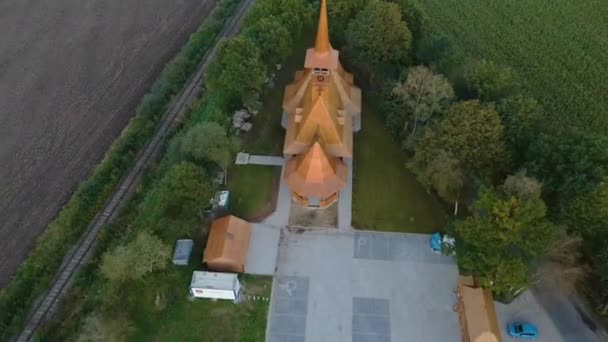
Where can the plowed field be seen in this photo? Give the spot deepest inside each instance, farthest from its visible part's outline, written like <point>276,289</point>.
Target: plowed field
<point>71,75</point>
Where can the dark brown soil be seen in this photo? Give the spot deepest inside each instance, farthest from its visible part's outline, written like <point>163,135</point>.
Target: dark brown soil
<point>71,75</point>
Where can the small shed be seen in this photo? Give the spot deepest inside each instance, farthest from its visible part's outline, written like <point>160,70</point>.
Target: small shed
<point>476,312</point>
<point>215,285</point>
<point>227,245</point>
<point>183,250</point>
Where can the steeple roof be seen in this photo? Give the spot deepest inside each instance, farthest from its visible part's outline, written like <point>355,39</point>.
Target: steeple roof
<point>322,56</point>
<point>322,44</point>
<point>314,174</point>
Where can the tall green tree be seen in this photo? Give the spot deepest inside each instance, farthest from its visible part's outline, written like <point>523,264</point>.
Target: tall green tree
<point>489,81</point>
<point>587,215</point>
<point>237,70</point>
<point>416,18</point>
<point>425,94</point>
<point>179,196</point>
<point>445,175</point>
<point>378,39</point>
<point>340,13</point>
<point>294,15</point>
<point>272,39</point>
<point>499,242</point>
<point>568,163</point>
<point>204,142</point>
<point>472,133</point>
<point>442,56</point>
<point>521,117</point>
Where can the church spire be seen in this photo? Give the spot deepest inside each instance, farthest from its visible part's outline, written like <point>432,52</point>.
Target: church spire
<point>322,45</point>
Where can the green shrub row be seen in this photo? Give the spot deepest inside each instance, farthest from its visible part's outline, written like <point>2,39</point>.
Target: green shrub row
<point>37,271</point>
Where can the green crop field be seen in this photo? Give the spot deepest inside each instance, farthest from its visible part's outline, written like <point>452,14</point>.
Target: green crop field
<point>558,47</point>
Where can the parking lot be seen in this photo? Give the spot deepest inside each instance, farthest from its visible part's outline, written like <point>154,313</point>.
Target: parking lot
<point>361,287</point>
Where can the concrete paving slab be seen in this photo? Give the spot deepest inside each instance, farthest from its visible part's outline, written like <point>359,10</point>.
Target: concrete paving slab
<point>242,158</point>
<point>288,309</point>
<point>266,160</point>
<point>280,217</point>
<point>341,286</point>
<point>263,248</point>
<point>345,201</point>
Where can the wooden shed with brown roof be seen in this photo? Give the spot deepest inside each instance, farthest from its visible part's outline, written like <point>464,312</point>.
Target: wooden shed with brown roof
<point>476,312</point>
<point>227,245</point>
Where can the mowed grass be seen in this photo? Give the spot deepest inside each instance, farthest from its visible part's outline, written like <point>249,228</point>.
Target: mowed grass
<point>251,189</point>
<point>558,47</point>
<point>177,318</point>
<point>386,196</point>
<point>252,186</point>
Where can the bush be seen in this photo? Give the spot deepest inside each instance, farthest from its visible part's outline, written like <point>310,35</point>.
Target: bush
<point>37,271</point>
<point>144,255</point>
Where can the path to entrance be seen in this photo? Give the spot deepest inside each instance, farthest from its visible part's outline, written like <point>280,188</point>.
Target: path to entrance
<point>345,201</point>
<point>246,158</point>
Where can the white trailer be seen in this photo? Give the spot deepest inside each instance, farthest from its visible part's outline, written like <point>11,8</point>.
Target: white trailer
<point>215,285</point>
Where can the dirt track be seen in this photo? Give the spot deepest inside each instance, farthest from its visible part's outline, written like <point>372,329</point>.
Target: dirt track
<point>71,74</point>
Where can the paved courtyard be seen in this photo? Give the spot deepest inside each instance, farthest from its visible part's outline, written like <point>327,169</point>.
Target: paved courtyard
<point>262,253</point>
<point>362,287</point>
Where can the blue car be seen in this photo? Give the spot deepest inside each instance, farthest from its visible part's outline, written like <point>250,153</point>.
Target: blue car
<point>435,243</point>
<point>524,331</point>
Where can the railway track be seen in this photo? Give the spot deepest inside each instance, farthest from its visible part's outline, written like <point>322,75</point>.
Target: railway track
<point>84,248</point>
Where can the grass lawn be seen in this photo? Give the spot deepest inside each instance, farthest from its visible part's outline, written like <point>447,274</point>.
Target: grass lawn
<point>201,319</point>
<point>251,186</point>
<point>386,196</point>
<point>559,48</point>
<point>252,189</point>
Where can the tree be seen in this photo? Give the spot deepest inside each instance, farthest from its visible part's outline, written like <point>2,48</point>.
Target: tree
<point>271,37</point>
<point>378,39</point>
<point>101,328</point>
<point>149,253</point>
<point>521,186</point>
<point>424,93</point>
<point>237,70</point>
<point>205,142</point>
<point>293,14</point>
<point>470,132</point>
<point>416,18</point>
<point>499,242</point>
<point>141,256</point>
<point>116,265</point>
<point>521,117</point>
<point>562,268</point>
<point>568,163</point>
<point>490,82</point>
<point>340,13</point>
<point>442,56</point>
<point>446,177</point>
<point>587,215</point>
<point>179,196</point>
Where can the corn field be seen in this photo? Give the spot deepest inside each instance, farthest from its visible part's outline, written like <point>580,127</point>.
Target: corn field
<point>559,48</point>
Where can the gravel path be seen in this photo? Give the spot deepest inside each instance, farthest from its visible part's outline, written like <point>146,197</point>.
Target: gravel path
<point>71,75</point>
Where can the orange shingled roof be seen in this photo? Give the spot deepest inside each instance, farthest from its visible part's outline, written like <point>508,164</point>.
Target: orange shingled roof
<point>477,313</point>
<point>314,174</point>
<point>227,245</point>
